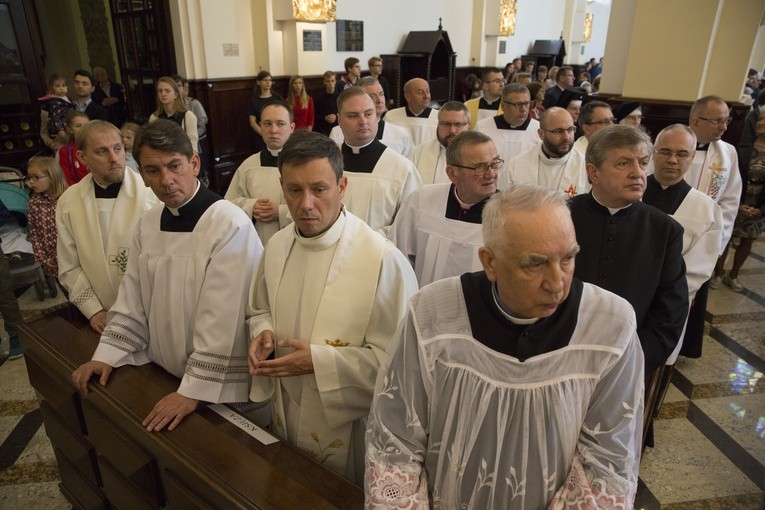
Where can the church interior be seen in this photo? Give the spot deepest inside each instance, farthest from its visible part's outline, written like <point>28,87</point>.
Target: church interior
<point>709,448</point>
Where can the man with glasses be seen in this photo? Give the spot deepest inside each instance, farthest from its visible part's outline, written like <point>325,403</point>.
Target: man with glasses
<point>563,80</point>
<point>430,157</point>
<point>513,131</point>
<point>714,171</point>
<point>551,164</point>
<point>391,135</point>
<point>439,226</point>
<point>375,71</point>
<point>489,105</point>
<point>699,215</point>
<point>593,117</point>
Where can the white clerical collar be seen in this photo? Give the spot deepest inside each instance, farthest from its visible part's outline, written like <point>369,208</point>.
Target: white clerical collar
<point>491,102</point>
<point>506,312</point>
<point>174,210</point>
<point>463,205</point>
<point>553,161</point>
<point>356,149</point>
<point>274,152</point>
<point>326,238</point>
<point>612,210</point>
<point>102,186</point>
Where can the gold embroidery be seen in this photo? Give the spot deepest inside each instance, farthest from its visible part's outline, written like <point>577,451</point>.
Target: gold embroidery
<point>120,259</point>
<point>336,342</point>
<point>323,455</point>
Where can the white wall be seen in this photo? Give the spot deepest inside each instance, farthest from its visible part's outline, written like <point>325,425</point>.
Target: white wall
<point>201,27</point>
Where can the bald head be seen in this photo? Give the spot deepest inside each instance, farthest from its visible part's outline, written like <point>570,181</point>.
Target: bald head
<point>417,95</point>
<point>556,131</point>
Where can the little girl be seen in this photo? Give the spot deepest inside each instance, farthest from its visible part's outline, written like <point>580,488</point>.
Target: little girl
<point>45,178</point>
<point>55,105</point>
<point>73,169</point>
<point>128,131</point>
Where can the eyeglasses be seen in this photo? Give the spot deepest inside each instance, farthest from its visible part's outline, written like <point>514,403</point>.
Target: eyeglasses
<point>450,125</point>
<point>520,104</point>
<point>35,178</point>
<point>560,131</point>
<point>483,167</point>
<point>717,122</point>
<point>606,122</point>
<point>678,154</point>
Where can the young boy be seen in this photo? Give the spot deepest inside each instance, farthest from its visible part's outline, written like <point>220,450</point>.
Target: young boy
<point>128,131</point>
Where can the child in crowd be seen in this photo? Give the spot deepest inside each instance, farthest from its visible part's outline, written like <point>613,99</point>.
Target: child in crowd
<point>129,129</point>
<point>55,105</point>
<point>47,182</point>
<point>73,169</point>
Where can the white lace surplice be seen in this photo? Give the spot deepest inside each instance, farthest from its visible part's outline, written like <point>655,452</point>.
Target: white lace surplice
<point>493,432</point>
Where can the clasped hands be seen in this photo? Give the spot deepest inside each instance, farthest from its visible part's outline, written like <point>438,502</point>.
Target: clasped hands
<point>298,362</point>
<point>168,412</point>
<point>264,210</point>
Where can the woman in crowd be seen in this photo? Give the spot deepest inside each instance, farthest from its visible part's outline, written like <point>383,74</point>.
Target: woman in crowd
<point>750,221</point>
<point>301,104</point>
<point>171,106</point>
<point>261,96</point>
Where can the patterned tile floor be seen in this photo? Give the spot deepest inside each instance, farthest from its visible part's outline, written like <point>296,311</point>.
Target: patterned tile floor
<point>710,435</point>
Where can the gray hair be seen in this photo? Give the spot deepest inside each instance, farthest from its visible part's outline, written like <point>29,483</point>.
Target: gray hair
<point>588,111</point>
<point>367,80</point>
<point>677,127</point>
<point>305,146</point>
<point>515,88</point>
<point>462,140</point>
<point>614,137</point>
<point>518,198</point>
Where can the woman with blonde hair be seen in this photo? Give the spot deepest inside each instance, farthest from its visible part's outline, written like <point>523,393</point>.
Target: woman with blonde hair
<point>300,103</point>
<point>171,106</point>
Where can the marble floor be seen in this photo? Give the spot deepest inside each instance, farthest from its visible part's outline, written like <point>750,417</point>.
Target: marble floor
<point>710,434</point>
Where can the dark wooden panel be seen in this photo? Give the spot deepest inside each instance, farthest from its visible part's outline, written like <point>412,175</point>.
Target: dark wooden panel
<point>658,114</point>
<point>76,489</point>
<point>182,497</point>
<point>61,399</point>
<point>217,462</point>
<point>122,494</point>
<point>132,463</point>
<point>79,452</point>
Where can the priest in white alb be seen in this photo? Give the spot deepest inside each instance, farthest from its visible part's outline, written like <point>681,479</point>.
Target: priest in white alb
<point>417,116</point>
<point>513,131</point>
<point>518,387</point>
<point>95,221</point>
<point>551,164</point>
<point>255,185</point>
<point>439,226</point>
<point>379,178</point>
<point>430,157</point>
<point>181,303</point>
<point>391,135</point>
<point>326,300</point>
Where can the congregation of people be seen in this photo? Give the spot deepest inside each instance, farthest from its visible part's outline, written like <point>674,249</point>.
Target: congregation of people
<point>470,304</point>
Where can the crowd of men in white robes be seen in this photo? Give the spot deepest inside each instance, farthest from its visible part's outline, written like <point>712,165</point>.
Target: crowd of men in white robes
<point>300,289</point>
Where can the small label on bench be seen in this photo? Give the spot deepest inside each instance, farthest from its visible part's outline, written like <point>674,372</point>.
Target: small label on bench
<point>243,423</point>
